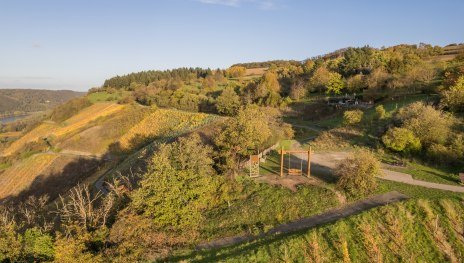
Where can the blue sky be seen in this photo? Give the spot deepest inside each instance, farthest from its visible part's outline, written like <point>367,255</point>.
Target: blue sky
<point>64,44</point>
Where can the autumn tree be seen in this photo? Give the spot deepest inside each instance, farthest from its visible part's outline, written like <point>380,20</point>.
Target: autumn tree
<point>427,123</point>
<point>355,83</point>
<point>179,185</point>
<point>320,78</point>
<point>453,98</point>
<point>228,103</point>
<point>236,72</point>
<point>297,90</point>
<point>335,83</point>
<point>380,112</point>
<point>248,132</point>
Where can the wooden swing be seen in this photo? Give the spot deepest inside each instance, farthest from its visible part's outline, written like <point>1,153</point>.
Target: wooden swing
<point>293,171</point>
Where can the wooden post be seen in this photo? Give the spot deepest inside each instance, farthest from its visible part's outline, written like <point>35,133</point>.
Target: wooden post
<point>309,162</point>
<point>282,162</point>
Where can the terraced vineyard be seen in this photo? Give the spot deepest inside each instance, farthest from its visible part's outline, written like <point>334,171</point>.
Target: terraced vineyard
<point>162,122</point>
<point>87,115</point>
<point>73,124</point>
<point>19,176</point>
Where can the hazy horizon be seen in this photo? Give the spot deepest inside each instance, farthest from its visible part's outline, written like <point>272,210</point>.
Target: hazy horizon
<point>56,45</point>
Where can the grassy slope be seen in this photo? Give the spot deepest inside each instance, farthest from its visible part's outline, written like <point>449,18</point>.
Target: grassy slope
<point>407,231</point>
<point>260,207</point>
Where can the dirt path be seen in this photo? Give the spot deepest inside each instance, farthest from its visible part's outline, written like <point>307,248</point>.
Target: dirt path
<point>313,221</point>
<point>324,162</point>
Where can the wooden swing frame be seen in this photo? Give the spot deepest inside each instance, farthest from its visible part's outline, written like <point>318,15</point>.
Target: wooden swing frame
<point>283,152</point>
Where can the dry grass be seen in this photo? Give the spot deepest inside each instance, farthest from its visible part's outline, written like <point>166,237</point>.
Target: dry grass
<point>87,115</point>
<point>19,176</point>
<point>255,71</point>
<point>41,131</point>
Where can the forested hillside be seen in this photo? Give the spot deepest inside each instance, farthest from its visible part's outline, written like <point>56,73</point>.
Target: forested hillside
<point>155,165</point>
<point>28,100</point>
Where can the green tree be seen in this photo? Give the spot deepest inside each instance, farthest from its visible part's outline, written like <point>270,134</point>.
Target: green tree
<point>228,102</point>
<point>245,133</point>
<point>335,83</point>
<point>401,140</point>
<point>319,79</point>
<point>38,246</point>
<point>453,98</point>
<point>179,185</point>
<point>357,173</point>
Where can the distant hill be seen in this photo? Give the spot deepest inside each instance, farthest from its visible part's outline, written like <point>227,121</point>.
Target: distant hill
<point>28,100</point>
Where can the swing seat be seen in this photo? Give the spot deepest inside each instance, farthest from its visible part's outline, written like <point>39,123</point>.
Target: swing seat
<point>294,172</point>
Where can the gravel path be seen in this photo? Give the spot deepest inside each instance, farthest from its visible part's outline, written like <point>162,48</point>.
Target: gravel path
<point>313,221</point>
<point>407,179</point>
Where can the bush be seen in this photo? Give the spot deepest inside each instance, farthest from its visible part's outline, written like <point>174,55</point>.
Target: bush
<point>380,112</point>
<point>401,140</point>
<point>357,173</point>
<point>440,154</point>
<point>352,117</point>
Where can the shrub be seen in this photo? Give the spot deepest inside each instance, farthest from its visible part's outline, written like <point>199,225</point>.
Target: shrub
<point>352,117</point>
<point>401,140</point>
<point>440,154</point>
<point>428,124</point>
<point>10,243</point>
<point>380,112</point>
<point>357,173</point>
<point>454,97</point>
